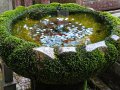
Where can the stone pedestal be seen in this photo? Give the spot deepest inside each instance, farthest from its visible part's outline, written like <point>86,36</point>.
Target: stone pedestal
<point>7,78</point>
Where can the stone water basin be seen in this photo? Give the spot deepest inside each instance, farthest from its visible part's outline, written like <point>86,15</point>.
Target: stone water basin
<point>55,49</point>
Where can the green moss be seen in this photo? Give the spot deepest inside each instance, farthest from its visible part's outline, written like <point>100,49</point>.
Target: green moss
<point>3,33</point>
<point>20,32</point>
<point>74,7</point>
<point>8,46</point>
<point>91,62</point>
<point>117,31</point>
<point>89,21</point>
<point>113,22</point>
<point>113,44</point>
<point>111,55</point>
<point>66,68</point>
<point>52,72</point>
<point>23,59</point>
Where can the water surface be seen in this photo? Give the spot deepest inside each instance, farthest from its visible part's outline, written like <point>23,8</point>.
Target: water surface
<point>61,31</point>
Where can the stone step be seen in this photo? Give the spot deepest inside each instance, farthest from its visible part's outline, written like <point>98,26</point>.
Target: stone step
<point>116,14</point>
<point>99,84</point>
<point>110,79</point>
<point>10,86</point>
<point>115,11</point>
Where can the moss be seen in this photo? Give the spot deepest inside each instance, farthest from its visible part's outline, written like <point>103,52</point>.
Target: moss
<point>116,44</point>
<point>112,22</point>
<point>111,55</point>
<point>8,46</point>
<point>23,59</point>
<point>51,72</point>
<point>100,29</point>
<point>67,68</point>
<point>118,47</point>
<point>117,31</point>
<point>72,69</point>
<point>19,31</point>
<point>3,33</point>
<point>91,62</point>
<point>110,18</point>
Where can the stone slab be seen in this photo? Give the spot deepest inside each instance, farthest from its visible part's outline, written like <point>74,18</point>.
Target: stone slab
<point>47,51</point>
<point>10,86</point>
<point>100,4</point>
<point>91,47</point>
<point>99,83</point>
<point>67,49</point>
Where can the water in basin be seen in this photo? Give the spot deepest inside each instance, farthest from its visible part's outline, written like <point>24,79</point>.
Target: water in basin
<point>52,31</point>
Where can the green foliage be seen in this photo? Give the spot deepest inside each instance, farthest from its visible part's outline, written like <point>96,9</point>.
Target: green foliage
<point>113,22</point>
<point>110,18</point>
<point>72,68</point>
<point>66,68</point>
<point>23,60</point>
<point>116,30</point>
<point>75,7</point>
<point>51,72</point>
<point>116,44</point>
<point>8,46</point>
<point>111,55</point>
<point>91,62</point>
<point>3,35</point>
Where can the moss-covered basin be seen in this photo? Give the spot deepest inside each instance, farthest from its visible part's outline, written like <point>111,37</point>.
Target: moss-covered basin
<point>58,65</point>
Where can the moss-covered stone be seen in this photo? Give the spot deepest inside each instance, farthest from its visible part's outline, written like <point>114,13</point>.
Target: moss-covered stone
<point>23,59</point>
<point>66,68</point>
<point>8,46</point>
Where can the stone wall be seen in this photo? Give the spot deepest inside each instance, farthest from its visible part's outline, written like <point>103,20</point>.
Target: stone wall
<point>96,4</point>
<point>64,1</point>
<point>100,4</point>
<point>5,5</point>
<point>25,3</point>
